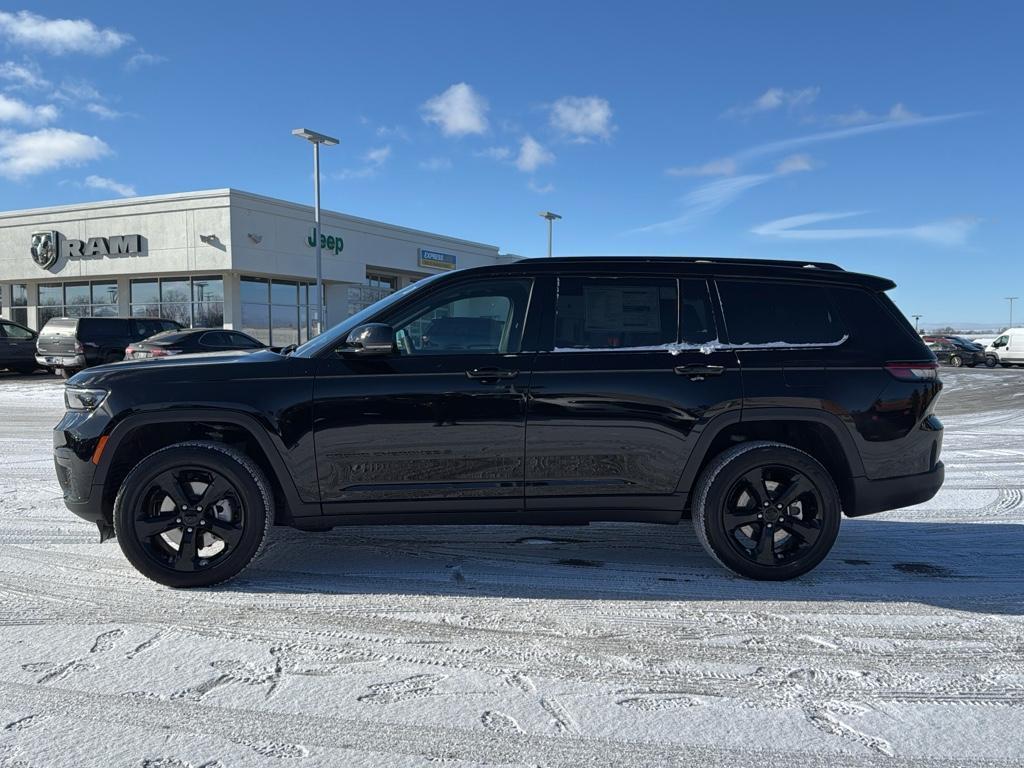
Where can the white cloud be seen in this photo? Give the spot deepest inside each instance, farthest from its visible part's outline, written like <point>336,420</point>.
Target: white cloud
<point>102,182</point>
<point>458,111</point>
<point>26,154</point>
<point>103,112</point>
<point>532,155</point>
<point>793,164</point>
<point>713,196</point>
<point>950,232</point>
<point>17,111</point>
<point>60,36</point>
<point>495,153</point>
<point>23,75</point>
<point>397,131</point>
<point>436,164</point>
<point>725,166</point>
<point>77,90</point>
<point>540,189</point>
<point>141,59</point>
<point>583,118</point>
<point>774,98</point>
<point>896,113</point>
<point>373,160</point>
<point>379,155</point>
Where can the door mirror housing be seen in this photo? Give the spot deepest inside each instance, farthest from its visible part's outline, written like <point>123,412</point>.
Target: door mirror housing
<point>370,339</point>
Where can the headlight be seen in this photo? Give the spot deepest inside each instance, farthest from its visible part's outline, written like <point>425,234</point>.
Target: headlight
<point>83,399</point>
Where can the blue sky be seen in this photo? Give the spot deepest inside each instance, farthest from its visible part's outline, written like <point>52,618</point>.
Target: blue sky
<point>885,137</point>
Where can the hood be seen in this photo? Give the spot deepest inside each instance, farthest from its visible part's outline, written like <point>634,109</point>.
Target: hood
<point>207,365</point>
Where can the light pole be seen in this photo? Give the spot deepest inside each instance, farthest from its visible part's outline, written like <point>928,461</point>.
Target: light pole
<point>317,139</point>
<point>1011,299</point>
<point>916,318</point>
<point>551,221</point>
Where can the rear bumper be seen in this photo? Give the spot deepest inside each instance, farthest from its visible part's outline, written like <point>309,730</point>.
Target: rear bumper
<point>872,496</point>
<point>61,361</point>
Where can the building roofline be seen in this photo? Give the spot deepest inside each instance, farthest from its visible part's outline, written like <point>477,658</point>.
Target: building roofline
<point>229,193</point>
<point>358,219</point>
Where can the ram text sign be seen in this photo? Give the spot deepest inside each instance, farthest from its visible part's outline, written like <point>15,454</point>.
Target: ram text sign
<point>48,247</point>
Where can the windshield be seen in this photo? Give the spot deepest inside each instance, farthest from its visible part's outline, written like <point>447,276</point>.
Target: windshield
<point>330,338</point>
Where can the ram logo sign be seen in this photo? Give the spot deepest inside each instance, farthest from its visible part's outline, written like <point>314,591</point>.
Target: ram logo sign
<point>48,247</point>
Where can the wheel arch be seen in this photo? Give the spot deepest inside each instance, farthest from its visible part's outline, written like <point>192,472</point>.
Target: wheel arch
<point>819,433</point>
<point>141,434</point>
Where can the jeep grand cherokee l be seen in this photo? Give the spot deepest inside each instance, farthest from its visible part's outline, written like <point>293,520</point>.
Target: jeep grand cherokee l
<point>761,399</point>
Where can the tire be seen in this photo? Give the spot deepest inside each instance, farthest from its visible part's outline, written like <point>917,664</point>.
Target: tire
<point>956,361</point>
<point>154,533</point>
<point>991,362</point>
<point>808,530</point>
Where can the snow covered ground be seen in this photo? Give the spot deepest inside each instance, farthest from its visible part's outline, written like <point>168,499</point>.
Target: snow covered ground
<point>611,645</point>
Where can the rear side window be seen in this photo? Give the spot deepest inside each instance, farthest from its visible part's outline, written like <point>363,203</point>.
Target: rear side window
<point>242,341</point>
<point>779,313</point>
<point>877,327</point>
<point>613,313</point>
<point>96,328</point>
<point>697,322</point>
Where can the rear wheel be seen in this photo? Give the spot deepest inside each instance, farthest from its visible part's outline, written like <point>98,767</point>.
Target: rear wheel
<point>193,514</point>
<point>766,511</point>
<point>956,361</point>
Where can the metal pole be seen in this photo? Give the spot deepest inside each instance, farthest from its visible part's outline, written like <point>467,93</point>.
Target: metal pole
<point>321,311</point>
<point>1011,299</point>
<point>551,224</point>
<point>916,318</point>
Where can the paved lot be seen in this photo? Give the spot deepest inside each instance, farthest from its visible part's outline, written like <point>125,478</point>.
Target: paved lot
<point>606,645</point>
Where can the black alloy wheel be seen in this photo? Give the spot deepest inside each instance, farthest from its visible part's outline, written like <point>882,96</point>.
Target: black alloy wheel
<point>193,514</point>
<point>767,511</point>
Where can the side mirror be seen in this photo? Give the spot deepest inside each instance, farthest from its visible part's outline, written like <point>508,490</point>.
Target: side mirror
<point>370,339</point>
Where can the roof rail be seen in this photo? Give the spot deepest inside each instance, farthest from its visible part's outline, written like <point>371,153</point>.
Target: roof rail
<point>793,264</point>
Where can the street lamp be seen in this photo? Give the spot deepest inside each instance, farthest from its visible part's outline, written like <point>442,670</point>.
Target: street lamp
<point>916,318</point>
<point>1011,299</point>
<point>551,220</point>
<point>317,139</point>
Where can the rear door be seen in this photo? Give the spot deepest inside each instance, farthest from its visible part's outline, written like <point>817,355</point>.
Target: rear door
<point>104,339</point>
<point>17,345</point>
<point>628,375</point>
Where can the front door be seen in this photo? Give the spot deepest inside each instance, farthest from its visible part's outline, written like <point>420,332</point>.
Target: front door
<point>440,422</point>
<point>17,346</point>
<point>629,375</point>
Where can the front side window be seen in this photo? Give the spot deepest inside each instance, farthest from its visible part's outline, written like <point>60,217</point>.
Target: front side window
<point>485,316</point>
<point>599,313</point>
<point>779,314</point>
<point>15,332</point>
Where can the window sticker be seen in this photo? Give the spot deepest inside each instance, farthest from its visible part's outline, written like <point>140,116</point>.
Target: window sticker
<point>622,308</point>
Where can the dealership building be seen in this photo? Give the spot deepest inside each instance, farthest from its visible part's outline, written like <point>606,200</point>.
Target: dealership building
<point>211,258</point>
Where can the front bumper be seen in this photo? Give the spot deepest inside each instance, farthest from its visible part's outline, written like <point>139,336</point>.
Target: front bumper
<point>61,361</point>
<point>872,496</point>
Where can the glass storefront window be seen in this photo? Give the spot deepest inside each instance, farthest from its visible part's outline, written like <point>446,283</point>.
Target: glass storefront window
<point>276,311</point>
<point>254,290</point>
<point>145,292</point>
<point>19,303</point>
<point>196,302</point>
<point>175,291</point>
<point>256,321</point>
<point>77,295</point>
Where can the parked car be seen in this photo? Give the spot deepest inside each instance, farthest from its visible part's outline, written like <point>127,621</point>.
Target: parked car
<point>17,347</point>
<point>1008,349</point>
<point>190,340</point>
<point>984,341</point>
<point>956,350</point>
<point>68,344</point>
<point>627,389</point>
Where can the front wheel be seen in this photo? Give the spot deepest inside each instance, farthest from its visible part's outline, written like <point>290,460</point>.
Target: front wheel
<point>766,511</point>
<point>991,362</point>
<point>193,514</point>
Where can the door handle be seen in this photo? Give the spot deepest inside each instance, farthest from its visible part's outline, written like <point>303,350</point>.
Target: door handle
<point>697,372</point>
<point>490,374</point>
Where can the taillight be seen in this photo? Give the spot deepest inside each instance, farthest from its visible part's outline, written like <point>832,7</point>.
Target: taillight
<point>78,347</point>
<point>158,352</point>
<point>129,350</point>
<point>913,371</point>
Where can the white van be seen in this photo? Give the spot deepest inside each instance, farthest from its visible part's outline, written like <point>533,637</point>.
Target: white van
<point>1008,349</point>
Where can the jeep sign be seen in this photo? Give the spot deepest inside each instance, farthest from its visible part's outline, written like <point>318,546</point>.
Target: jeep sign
<point>47,247</point>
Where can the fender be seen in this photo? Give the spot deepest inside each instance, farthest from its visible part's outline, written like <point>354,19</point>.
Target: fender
<point>725,420</point>
<point>296,506</point>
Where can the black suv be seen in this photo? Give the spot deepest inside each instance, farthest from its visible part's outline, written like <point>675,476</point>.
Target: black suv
<point>69,344</point>
<point>762,399</point>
